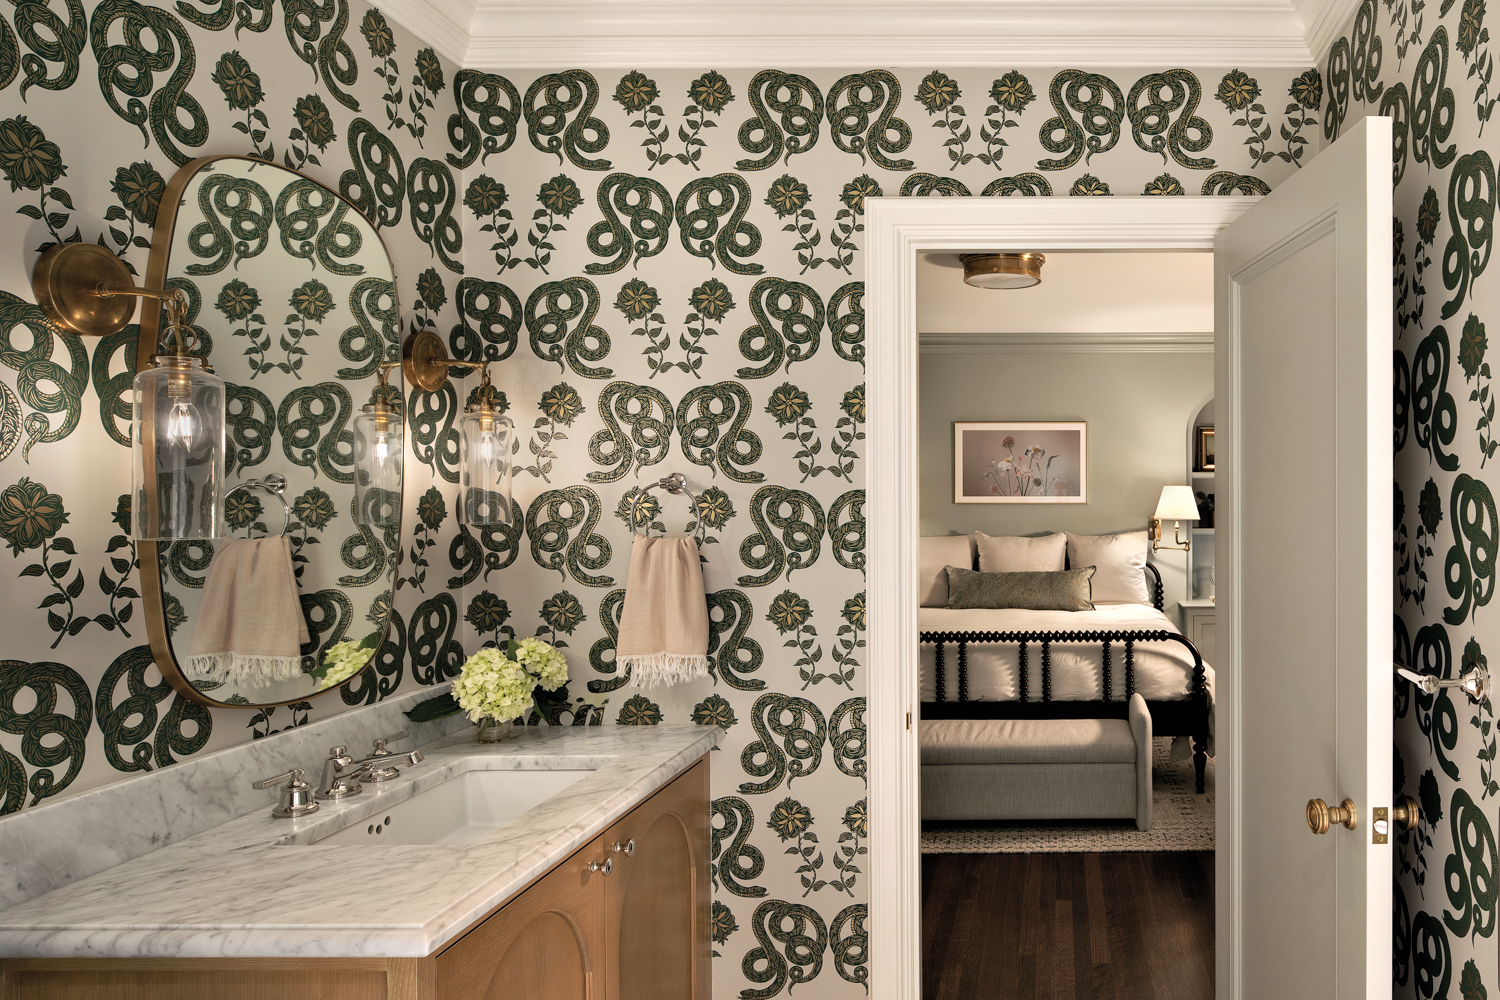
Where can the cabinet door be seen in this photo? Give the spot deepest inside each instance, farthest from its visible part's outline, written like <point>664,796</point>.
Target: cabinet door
<point>546,944</point>
<point>658,901</point>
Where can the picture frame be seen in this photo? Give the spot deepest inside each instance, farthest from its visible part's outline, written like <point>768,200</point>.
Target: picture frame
<point>1203,449</point>
<point>1020,461</point>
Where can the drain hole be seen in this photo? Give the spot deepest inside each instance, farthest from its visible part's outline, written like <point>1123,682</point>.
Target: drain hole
<point>377,828</point>
<point>370,829</point>
<point>387,821</point>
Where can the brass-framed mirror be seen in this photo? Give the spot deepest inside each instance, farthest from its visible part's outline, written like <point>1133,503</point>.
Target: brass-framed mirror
<point>293,297</point>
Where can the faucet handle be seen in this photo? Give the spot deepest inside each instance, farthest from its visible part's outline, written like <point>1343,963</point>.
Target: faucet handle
<point>296,794</point>
<point>340,751</point>
<point>380,743</point>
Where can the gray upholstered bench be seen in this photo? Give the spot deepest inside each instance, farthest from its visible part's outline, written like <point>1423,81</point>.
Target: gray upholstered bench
<point>1038,768</point>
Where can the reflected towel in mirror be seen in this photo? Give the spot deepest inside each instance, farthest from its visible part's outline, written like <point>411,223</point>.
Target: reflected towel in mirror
<point>250,627</point>
<point>664,622</point>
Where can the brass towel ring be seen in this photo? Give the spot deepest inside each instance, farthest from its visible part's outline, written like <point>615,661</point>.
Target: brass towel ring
<point>275,485</point>
<point>675,484</point>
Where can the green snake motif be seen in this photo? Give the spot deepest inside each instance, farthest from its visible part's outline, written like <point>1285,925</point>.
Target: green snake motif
<point>329,614</point>
<point>10,421</point>
<point>35,369</point>
<point>48,737</point>
<point>925,185</point>
<point>848,745</point>
<point>382,676</point>
<point>371,300</point>
<point>728,638</point>
<point>550,532</point>
<point>851,951</point>
<point>1432,105</point>
<point>799,103</point>
<point>784,509</point>
<point>1366,57</point>
<point>250,427</point>
<point>313,421</point>
<point>555,307</point>
<point>547,124</point>
<point>650,227</point>
<point>800,726</point>
<point>64,46</point>
<point>848,537</point>
<point>376,183</point>
<point>188,562</point>
<point>1396,105</point>
<point>1473,521</point>
<point>1434,413</point>
<point>846,332</point>
<point>237,216</point>
<point>1432,653</point>
<point>1100,107</point>
<point>431,416</point>
<point>364,553</point>
<point>1151,123</point>
<point>743,862</point>
<point>140,703</point>
<point>495,548</point>
<point>1229,182</point>
<point>601,653</point>
<point>1027,184</point>
<point>1470,871</point>
<point>130,67</point>
<point>777,921</point>
<point>851,127</point>
<point>10,55</point>
<point>1337,78</point>
<point>701,203</point>
<point>1471,214</point>
<point>331,55</point>
<point>1432,956</point>
<point>435,654</point>
<point>495,313</point>
<point>298,227</point>
<point>650,435</point>
<point>114,391</point>
<point>702,444</point>
<point>788,319</point>
<point>432,193</point>
<point>171,737</point>
<point>493,100</point>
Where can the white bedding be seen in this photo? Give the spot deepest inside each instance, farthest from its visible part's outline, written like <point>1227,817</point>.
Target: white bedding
<point>1163,670</point>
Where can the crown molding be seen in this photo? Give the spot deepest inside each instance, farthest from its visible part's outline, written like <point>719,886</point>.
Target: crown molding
<point>1066,343</point>
<point>446,25</point>
<point>1324,20</point>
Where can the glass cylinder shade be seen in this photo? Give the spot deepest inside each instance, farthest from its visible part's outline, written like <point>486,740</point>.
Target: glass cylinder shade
<point>484,447</point>
<point>379,446</point>
<point>177,447</point>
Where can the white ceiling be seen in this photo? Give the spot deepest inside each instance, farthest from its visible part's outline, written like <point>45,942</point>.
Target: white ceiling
<point>503,35</point>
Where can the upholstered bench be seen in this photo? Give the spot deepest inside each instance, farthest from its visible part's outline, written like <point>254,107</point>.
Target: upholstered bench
<point>1038,768</point>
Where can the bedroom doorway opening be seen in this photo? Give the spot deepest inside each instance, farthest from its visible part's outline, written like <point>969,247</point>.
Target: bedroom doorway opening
<point>1067,848</point>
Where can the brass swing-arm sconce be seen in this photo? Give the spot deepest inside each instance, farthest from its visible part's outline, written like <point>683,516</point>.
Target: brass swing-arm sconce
<point>485,434</point>
<point>1176,505</point>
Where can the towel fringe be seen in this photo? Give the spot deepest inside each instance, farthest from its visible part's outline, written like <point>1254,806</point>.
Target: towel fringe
<point>244,669</point>
<point>656,669</point>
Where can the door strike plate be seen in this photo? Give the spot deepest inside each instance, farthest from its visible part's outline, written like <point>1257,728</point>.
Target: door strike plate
<point>1380,828</point>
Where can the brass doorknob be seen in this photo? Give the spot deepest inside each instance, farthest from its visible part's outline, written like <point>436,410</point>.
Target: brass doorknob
<point>1405,812</point>
<point>1320,815</point>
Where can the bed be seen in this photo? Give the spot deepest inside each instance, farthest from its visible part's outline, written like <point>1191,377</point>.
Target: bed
<point>1016,664</point>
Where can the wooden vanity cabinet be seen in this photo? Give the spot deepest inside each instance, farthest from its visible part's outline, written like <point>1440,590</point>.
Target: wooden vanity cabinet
<point>640,932</point>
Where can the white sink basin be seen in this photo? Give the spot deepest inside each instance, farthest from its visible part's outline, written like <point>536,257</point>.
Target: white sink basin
<point>463,809</point>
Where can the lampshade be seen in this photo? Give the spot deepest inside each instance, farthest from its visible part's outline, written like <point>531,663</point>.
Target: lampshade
<point>379,447</point>
<point>177,446</point>
<point>1176,504</point>
<point>484,448</point>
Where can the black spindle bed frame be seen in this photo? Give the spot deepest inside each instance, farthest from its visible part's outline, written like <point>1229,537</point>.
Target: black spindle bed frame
<point>1185,717</point>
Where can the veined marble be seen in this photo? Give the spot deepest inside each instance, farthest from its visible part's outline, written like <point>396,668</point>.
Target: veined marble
<point>64,840</point>
<point>259,887</point>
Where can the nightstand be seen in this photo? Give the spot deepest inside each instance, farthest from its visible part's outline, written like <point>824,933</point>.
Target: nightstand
<point>1198,625</point>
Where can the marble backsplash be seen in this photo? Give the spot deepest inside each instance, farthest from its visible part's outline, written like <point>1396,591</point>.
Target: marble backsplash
<point>60,842</point>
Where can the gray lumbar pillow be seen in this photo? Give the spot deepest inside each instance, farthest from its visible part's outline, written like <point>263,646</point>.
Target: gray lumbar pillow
<point>1065,590</point>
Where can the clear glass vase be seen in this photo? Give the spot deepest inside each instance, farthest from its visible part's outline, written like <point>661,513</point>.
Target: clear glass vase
<point>490,731</point>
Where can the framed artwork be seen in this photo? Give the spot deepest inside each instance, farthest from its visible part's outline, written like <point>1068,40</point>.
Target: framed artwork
<point>1203,450</point>
<point>1020,462</point>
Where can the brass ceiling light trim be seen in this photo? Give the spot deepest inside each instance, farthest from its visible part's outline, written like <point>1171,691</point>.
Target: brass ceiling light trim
<point>85,290</point>
<point>1003,270</point>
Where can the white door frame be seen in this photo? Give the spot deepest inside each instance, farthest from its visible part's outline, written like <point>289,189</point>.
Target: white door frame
<point>896,229</point>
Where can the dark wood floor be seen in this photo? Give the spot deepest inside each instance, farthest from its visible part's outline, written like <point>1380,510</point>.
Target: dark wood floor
<point>1066,926</point>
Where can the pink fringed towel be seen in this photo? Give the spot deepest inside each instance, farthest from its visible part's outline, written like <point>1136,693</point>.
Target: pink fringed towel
<point>664,623</point>
<point>250,626</point>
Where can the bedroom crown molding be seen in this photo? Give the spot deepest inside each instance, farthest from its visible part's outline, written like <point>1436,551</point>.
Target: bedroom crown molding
<point>1066,343</point>
<point>502,35</point>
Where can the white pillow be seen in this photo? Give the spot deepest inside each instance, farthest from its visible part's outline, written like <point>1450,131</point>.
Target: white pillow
<point>1018,554</point>
<point>937,554</point>
<point>1120,562</point>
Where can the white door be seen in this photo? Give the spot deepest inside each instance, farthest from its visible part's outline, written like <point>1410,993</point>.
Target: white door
<point>1303,345</point>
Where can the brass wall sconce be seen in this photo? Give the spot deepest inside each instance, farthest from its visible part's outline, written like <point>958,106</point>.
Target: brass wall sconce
<point>379,450</point>
<point>177,407</point>
<point>485,435</point>
<point>1177,505</point>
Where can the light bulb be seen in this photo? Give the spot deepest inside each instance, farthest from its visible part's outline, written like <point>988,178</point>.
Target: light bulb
<point>382,448</point>
<point>183,423</point>
<point>488,447</point>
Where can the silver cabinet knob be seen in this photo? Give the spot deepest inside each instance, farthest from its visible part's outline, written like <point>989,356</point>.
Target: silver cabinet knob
<point>604,868</point>
<point>627,848</point>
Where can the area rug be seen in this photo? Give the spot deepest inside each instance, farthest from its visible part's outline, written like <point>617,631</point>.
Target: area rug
<point>1182,821</point>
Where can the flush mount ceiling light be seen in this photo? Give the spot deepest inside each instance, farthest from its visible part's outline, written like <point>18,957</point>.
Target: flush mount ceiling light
<point>1003,270</point>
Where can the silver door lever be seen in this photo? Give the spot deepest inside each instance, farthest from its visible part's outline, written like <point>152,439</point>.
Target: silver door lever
<point>1474,682</point>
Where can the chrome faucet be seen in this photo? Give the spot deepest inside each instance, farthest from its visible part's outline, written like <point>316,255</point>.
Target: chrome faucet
<point>342,774</point>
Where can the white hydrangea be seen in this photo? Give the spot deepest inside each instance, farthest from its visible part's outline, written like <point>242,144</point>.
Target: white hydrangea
<point>544,662</point>
<point>494,686</point>
<point>342,661</point>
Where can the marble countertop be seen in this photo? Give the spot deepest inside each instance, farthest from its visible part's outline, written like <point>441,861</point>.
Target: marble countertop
<point>260,887</point>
